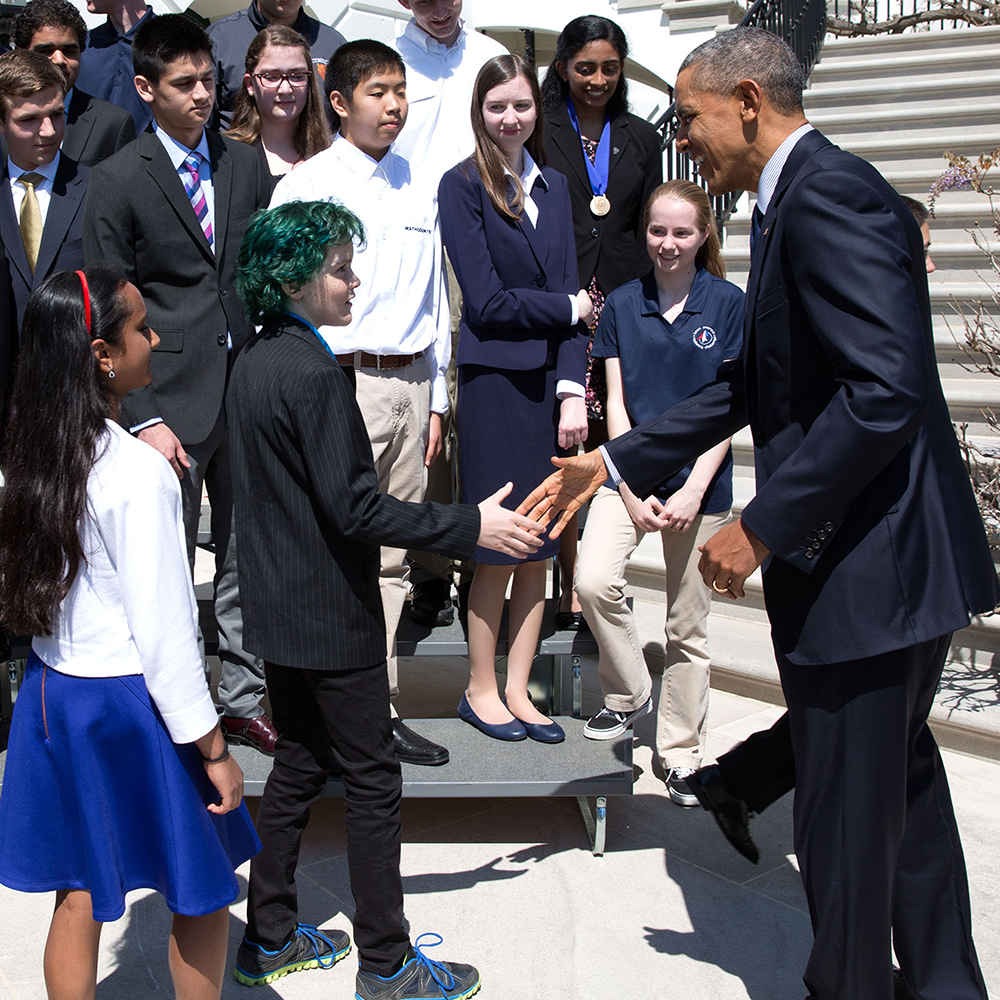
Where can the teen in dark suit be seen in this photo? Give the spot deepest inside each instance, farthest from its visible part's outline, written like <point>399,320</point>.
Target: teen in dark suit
<point>310,524</point>
<point>864,513</point>
<point>94,129</point>
<point>613,163</point>
<point>180,251</point>
<point>507,225</point>
<point>32,120</point>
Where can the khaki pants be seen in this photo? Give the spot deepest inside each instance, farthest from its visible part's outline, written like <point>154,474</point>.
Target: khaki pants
<point>396,408</point>
<point>609,540</point>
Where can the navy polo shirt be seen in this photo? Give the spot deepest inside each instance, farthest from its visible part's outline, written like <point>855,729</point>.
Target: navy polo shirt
<point>106,70</point>
<point>663,363</point>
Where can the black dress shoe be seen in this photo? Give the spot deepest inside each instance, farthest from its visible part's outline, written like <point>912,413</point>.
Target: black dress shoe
<point>730,812</point>
<point>571,621</point>
<point>430,604</point>
<point>412,748</point>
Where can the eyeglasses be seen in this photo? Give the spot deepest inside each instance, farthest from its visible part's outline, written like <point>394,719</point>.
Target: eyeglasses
<point>272,79</point>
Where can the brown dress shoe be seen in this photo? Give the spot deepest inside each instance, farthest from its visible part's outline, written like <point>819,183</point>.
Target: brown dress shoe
<point>258,733</point>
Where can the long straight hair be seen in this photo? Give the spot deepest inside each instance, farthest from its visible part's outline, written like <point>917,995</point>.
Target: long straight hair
<point>312,133</point>
<point>709,254</point>
<point>58,411</point>
<point>488,158</point>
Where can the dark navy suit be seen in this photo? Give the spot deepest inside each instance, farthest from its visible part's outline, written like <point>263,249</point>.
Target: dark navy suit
<point>878,554</point>
<point>517,339</point>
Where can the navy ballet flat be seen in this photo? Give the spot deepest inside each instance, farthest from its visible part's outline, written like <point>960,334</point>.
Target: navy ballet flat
<point>509,731</point>
<point>551,733</point>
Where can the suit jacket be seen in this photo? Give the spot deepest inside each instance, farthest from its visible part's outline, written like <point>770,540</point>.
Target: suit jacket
<point>309,517</point>
<point>612,247</point>
<point>95,129</point>
<point>862,496</point>
<point>8,340</point>
<point>141,223</point>
<point>515,277</point>
<point>61,248</point>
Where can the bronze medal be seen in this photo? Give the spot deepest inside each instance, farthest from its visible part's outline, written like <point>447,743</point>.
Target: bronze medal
<point>600,205</point>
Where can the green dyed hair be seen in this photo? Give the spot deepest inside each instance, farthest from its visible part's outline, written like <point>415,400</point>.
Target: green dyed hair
<point>287,245</point>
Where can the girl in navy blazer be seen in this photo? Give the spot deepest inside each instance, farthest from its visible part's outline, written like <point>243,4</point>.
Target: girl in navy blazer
<point>507,223</point>
<point>612,162</point>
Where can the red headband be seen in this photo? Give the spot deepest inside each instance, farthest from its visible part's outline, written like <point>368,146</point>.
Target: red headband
<point>86,298</point>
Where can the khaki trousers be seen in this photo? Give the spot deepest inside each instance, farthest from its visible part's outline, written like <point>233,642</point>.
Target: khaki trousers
<point>396,407</point>
<point>609,540</point>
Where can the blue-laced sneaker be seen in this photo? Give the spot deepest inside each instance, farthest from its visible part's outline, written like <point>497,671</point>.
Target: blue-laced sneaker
<point>309,949</point>
<point>420,978</point>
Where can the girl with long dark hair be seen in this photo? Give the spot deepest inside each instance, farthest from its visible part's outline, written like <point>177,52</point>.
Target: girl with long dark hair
<point>117,774</point>
<point>507,224</point>
<point>279,108</point>
<point>612,161</point>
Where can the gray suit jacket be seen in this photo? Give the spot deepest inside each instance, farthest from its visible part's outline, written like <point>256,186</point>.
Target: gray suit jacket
<point>95,129</point>
<point>140,222</point>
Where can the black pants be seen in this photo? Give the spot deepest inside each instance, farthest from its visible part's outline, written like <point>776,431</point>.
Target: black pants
<point>875,834</point>
<point>762,768</point>
<point>324,716</point>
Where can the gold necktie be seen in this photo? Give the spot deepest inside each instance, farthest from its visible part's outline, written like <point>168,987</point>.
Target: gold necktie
<point>31,217</point>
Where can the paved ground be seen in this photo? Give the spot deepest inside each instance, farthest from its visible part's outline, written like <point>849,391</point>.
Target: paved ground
<point>670,910</point>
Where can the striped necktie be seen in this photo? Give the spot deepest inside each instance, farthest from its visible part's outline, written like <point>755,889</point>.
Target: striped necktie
<point>30,221</point>
<point>196,194</point>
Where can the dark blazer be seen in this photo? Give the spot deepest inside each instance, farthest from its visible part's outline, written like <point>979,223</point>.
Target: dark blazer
<point>515,278</point>
<point>95,129</point>
<point>862,496</point>
<point>309,517</point>
<point>612,247</point>
<point>140,222</point>
<point>61,248</point>
<point>8,340</point>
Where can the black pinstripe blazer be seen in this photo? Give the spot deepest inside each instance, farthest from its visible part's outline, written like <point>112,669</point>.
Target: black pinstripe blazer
<point>309,517</point>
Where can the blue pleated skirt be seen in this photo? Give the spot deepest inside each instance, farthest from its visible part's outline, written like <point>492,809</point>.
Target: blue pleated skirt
<point>96,796</point>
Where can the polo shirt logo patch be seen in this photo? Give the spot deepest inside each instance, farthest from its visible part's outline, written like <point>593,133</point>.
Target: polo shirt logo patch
<point>704,337</point>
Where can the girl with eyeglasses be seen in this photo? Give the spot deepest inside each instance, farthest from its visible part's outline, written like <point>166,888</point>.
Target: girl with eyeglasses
<point>280,108</point>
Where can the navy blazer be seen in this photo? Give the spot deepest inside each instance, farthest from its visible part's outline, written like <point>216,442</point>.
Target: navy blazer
<point>613,247</point>
<point>862,495</point>
<point>61,248</point>
<point>140,223</point>
<point>308,514</point>
<point>516,279</point>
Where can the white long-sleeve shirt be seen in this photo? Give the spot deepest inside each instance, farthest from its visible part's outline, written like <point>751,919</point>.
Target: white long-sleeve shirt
<point>440,80</point>
<point>131,608</point>
<point>401,305</point>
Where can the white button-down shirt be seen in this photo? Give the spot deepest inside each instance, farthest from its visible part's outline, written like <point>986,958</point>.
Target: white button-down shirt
<point>439,84</point>
<point>401,305</point>
<point>43,189</point>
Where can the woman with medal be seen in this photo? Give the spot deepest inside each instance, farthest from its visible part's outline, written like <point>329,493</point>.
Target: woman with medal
<point>522,348</point>
<point>612,162</point>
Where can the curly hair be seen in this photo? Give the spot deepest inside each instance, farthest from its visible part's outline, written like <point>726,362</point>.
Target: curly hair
<point>287,245</point>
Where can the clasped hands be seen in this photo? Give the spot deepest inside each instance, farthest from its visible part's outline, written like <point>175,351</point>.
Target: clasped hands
<point>727,558</point>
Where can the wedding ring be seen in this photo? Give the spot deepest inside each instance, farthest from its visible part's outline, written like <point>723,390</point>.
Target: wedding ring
<point>719,590</point>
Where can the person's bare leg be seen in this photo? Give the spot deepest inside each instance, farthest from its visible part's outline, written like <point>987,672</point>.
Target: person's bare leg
<point>567,566</point>
<point>486,597</point>
<point>527,605</point>
<point>71,949</point>
<point>198,955</point>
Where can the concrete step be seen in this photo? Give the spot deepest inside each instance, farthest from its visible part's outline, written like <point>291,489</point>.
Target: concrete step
<point>838,52</point>
<point>912,92</point>
<point>928,64</point>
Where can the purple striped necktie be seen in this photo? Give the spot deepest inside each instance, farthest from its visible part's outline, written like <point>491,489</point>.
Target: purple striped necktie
<point>195,192</point>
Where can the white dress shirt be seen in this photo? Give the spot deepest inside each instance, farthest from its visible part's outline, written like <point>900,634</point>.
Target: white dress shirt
<point>43,189</point>
<point>131,608</point>
<point>401,305</point>
<point>439,83</point>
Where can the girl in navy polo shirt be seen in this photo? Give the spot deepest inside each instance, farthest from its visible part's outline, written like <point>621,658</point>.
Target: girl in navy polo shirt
<point>663,337</point>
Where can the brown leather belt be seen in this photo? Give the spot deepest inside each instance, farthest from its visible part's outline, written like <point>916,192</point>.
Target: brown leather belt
<point>383,362</point>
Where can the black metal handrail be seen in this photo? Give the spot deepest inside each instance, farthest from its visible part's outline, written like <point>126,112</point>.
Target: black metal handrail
<point>802,24</point>
<point>892,17</point>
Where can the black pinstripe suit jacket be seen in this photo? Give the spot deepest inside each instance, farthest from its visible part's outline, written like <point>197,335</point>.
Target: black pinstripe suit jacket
<point>309,517</point>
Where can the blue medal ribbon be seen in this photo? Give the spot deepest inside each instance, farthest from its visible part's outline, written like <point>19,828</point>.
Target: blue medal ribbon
<point>599,169</point>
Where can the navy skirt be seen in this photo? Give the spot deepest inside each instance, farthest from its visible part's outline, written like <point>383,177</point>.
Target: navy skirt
<point>507,432</point>
<point>96,796</point>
